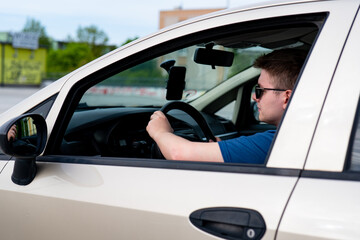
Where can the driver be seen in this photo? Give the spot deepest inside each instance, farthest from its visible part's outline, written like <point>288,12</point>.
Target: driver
<point>279,71</point>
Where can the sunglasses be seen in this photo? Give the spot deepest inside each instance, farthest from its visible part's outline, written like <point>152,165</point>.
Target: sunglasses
<point>259,91</point>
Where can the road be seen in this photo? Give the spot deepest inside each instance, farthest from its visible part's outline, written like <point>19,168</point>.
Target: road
<point>10,96</point>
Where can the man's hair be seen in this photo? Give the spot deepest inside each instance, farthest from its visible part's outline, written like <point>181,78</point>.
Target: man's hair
<point>283,65</point>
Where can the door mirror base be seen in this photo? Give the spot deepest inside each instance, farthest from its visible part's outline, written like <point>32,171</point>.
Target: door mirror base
<point>24,171</point>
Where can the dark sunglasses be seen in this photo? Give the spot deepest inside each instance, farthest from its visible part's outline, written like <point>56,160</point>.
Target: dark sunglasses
<point>259,91</point>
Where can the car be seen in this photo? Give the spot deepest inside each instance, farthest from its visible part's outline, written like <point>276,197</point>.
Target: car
<point>83,166</point>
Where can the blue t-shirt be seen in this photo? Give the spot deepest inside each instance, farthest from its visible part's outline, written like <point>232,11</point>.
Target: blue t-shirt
<point>247,149</point>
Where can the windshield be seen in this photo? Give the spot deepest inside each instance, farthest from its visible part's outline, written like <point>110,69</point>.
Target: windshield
<point>145,83</point>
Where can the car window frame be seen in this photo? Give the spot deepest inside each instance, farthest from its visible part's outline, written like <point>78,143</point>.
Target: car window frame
<point>78,89</point>
<point>336,121</point>
<point>355,128</point>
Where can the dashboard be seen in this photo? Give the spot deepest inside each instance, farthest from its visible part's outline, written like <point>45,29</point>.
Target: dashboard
<point>121,132</point>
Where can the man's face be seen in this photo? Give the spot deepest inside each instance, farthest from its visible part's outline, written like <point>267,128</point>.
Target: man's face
<point>271,104</point>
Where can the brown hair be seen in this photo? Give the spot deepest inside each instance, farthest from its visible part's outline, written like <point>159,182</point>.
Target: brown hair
<point>283,65</point>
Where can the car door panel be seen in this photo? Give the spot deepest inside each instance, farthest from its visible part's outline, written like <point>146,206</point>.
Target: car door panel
<point>328,192</point>
<point>330,203</point>
<point>336,121</point>
<point>135,203</point>
<point>303,113</point>
<point>2,164</point>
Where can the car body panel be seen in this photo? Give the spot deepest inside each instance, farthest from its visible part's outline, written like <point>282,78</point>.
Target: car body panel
<point>330,144</point>
<point>130,196</point>
<point>322,209</point>
<point>315,80</point>
<point>327,193</point>
<point>2,165</point>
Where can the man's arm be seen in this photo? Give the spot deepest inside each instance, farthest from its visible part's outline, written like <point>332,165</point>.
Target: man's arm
<point>177,148</point>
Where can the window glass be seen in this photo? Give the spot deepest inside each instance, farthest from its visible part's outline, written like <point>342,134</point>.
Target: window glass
<point>144,84</point>
<point>111,118</point>
<point>227,111</point>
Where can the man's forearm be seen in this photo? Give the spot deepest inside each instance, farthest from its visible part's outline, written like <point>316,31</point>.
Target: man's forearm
<point>174,147</point>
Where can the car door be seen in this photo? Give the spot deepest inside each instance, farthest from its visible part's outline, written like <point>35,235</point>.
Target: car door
<point>325,203</point>
<point>91,197</point>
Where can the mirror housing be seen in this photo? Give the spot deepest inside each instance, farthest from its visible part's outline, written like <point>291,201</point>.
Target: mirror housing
<point>24,138</point>
<point>213,57</point>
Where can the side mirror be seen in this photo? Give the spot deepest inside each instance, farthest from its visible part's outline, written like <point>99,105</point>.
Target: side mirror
<point>24,138</point>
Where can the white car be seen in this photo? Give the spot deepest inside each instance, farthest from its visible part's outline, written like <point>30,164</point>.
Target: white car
<point>84,167</point>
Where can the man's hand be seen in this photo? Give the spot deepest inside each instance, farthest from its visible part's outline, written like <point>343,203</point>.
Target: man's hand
<point>12,133</point>
<point>158,125</point>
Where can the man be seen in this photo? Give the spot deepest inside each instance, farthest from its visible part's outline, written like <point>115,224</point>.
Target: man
<point>279,71</point>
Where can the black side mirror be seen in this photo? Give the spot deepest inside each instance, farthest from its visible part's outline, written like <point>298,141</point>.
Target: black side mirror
<point>24,138</point>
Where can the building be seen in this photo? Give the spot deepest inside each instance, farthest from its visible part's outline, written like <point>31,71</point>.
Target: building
<point>170,17</point>
<point>22,61</point>
<point>186,55</point>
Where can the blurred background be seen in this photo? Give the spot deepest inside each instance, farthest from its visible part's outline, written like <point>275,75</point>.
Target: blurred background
<point>41,41</point>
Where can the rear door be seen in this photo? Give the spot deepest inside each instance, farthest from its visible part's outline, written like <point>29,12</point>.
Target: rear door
<point>325,202</point>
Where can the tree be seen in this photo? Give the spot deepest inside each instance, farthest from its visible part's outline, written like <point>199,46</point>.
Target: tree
<point>95,38</point>
<point>62,61</point>
<point>35,26</point>
<point>89,43</point>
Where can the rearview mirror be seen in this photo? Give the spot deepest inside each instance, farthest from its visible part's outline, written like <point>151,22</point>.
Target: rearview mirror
<point>24,138</point>
<point>213,57</point>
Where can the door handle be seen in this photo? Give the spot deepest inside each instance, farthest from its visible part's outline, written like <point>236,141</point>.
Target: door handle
<point>230,223</point>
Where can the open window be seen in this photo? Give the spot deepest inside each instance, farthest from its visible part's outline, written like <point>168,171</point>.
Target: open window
<point>110,110</point>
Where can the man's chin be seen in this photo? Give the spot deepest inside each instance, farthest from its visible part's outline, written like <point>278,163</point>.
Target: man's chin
<point>261,119</point>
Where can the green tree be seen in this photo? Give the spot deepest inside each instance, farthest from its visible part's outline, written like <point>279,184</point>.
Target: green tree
<point>144,74</point>
<point>62,61</point>
<point>89,44</point>
<point>95,38</point>
<point>32,25</point>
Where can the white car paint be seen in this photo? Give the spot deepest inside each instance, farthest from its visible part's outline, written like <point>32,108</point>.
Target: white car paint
<point>90,201</point>
<point>335,125</point>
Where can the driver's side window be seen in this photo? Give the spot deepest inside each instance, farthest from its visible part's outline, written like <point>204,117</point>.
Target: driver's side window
<point>215,75</point>
<point>112,115</point>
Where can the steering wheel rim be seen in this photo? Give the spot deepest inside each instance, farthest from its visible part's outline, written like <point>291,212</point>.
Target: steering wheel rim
<point>192,112</point>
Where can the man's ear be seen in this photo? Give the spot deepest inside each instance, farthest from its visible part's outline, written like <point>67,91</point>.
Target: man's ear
<point>287,97</point>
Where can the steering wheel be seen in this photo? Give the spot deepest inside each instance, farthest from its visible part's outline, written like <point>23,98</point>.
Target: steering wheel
<point>192,112</point>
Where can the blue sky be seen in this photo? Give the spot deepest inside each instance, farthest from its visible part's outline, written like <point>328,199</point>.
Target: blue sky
<point>118,19</point>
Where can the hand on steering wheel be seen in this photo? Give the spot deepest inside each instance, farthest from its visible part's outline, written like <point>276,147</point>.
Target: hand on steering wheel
<point>192,112</point>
